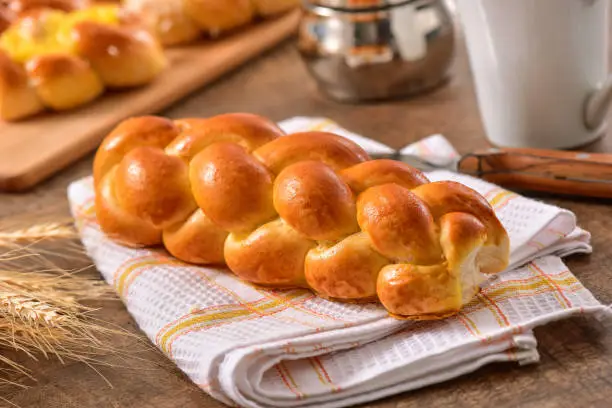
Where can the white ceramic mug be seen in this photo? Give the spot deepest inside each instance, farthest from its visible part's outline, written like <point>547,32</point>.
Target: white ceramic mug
<point>540,69</point>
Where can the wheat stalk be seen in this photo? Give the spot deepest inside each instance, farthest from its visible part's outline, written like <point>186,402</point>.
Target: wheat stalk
<point>30,310</point>
<point>41,309</point>
<point>47,230</point>
<point>40,316</point>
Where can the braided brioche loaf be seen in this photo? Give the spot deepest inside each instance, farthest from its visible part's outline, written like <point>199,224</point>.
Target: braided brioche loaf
<point>52,59</point>
<point>303,210</point>
<point>182,21</point>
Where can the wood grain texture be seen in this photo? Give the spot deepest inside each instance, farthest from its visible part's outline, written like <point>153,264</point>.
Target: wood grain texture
<point>576,366</point>
<point>551,171</point>
<point>35,148</point>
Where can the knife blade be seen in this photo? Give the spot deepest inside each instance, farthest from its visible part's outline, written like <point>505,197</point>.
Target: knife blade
<point>551,171</point>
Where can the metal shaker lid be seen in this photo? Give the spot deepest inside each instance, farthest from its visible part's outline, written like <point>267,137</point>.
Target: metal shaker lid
<point>357,4</point>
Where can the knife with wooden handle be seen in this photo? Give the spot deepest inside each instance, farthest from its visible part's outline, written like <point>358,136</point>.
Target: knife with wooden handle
<point>551,171</point>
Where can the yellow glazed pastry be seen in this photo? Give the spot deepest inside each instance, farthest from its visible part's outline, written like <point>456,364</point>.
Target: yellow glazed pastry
<point>70,58</point>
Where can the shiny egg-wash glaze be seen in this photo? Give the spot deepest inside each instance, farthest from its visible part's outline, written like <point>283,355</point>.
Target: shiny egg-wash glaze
<point>302,210</point>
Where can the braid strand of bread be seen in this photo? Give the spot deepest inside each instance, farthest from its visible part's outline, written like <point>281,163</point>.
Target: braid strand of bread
<point>302,210</point>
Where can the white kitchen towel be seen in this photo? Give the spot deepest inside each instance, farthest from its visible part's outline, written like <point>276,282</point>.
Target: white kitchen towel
<point>252,347</point>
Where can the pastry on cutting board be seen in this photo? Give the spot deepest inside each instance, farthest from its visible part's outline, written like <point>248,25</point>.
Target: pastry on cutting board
<point>301,210</point>
<point>182,21</point>
<point>11,10</point>
<point>167,18</point>
<point>51,59</point>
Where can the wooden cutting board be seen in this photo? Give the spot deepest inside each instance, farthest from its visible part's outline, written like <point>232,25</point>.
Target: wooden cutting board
<point>32,150</point>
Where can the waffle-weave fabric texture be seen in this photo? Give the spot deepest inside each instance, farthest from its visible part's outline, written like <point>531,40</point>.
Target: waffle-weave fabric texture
<point>254,347</point>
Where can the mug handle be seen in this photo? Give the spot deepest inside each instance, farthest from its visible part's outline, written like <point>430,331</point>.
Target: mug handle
<point>598,104</point>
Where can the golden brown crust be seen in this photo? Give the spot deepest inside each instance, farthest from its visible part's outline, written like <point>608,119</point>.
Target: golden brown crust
<point>460,233</point>
<point>64,81</point>
<point>167,18</point>
<point>154,187</point>
<point>315,201</point>
<point>304,210</point>
<point>182,21</point>
<point>240,185</point>
<point>448,196</point>
<point>196,240</point>
<point>399,224</point>
<point>122,56</point>
<point>46,67</point>
<point>245,129</point>
<point>376,172</point>
<point>151,131</point>
<point>419,291</point>
<point>117,223</point>
<point>347,270</point>
<point>273,254</point>
<point>18,99</point>
<point>333,150</point>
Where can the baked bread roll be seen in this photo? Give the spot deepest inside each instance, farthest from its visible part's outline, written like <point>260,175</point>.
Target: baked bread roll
<point>17,97</point>
<point>302,210</point>
<point>123,57</point>
<point>167,18</point>
<point>69,59</point>
<point>182,21</point>
<point>63,81</point>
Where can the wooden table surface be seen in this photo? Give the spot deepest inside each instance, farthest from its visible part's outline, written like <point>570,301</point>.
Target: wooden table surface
<point>576,354</point>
